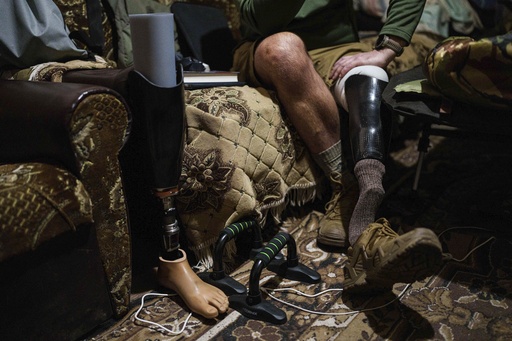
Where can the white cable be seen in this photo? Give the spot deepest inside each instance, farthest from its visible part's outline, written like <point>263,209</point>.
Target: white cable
<point>266,290</point>
<point>464,228</point>
<point>300,293</point>
<point>201,266</point>
<point>472,250</point>
<point>157,324</point>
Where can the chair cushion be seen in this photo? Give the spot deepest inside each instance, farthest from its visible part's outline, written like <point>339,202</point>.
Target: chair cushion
<point>38,202</point>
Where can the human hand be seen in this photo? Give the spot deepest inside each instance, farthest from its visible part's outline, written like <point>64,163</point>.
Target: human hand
<point>380,58</point>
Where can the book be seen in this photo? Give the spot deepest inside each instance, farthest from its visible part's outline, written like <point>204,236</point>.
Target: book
<point>205,79</point>
<point>210,76</point>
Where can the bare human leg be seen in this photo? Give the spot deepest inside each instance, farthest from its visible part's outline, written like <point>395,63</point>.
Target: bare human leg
<point>282,63</point>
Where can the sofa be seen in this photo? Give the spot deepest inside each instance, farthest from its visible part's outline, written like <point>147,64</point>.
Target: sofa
<point>65,252</point>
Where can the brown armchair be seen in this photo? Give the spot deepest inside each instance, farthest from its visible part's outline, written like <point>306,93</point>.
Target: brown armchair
<point>65,249</point>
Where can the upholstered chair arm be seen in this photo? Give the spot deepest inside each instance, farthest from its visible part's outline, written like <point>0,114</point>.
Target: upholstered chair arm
<point>81,128</point>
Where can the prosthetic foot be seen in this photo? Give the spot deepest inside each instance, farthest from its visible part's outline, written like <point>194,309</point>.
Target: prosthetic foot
<point>202,298</point>
<point>161,112</point>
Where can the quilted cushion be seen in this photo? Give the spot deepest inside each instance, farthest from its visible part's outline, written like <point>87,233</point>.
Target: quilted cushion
<point>242,159</point>
<point>38,202</point>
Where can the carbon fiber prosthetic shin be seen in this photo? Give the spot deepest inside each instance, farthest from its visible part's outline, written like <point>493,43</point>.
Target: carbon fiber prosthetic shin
<point>363,94</point>
<point>359,93</point>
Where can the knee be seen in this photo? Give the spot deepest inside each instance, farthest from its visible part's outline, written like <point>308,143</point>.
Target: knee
<point>281,53</point>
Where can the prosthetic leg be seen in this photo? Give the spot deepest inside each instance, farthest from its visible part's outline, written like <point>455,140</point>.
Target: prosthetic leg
<point>359,92</point>
<point>378,257</point>
<point>161,110</point>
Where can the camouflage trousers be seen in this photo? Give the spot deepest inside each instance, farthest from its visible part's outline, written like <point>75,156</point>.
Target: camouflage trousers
<point>473,71</point>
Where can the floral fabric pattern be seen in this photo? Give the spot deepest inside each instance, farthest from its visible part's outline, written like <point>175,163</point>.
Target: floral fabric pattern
<point>241,160</point>
<point>207,180</point>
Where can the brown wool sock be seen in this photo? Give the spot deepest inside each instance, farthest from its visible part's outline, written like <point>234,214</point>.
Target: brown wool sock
<point>329,160</point>
<point>369,174</point>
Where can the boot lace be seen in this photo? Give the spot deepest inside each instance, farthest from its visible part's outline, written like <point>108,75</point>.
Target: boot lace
<point>333,207</point>
<point>384,228</point>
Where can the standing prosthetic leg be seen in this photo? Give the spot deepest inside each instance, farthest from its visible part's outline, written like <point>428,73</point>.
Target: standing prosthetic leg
<point>162,112</point>
<point>359,92</point>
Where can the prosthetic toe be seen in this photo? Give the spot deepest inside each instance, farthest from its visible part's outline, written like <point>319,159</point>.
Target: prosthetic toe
<point>381,258</point>
<point>334,224</point>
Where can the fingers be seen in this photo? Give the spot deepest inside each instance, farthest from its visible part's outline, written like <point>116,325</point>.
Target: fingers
<point>343,66</point>
<point>347,63</point>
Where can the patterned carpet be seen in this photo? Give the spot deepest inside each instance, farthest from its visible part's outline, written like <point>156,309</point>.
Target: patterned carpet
<point>465,195</point>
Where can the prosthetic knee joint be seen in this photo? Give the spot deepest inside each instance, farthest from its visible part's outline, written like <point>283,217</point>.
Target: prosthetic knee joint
<point>170,228</point>
<point>359,93</point>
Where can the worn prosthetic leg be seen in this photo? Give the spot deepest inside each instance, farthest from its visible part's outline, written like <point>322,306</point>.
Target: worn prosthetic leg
<point>162,112</point>
<point>378,256</point>
<point>369,146</point>
<point>334,225</point>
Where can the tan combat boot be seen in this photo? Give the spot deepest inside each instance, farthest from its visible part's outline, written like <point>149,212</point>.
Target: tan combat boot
<point>380,258</point>
<point>334,224</point>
